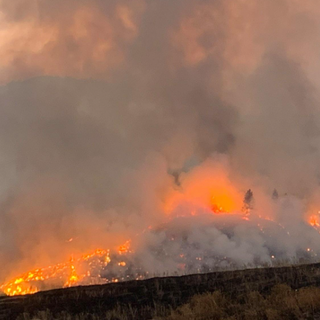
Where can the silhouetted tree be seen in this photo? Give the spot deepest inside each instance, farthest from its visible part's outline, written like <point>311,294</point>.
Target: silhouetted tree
<point>248,201</point>
<point>248,197</point>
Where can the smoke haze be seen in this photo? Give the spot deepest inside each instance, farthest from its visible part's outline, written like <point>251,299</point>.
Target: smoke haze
<point>117,115</point>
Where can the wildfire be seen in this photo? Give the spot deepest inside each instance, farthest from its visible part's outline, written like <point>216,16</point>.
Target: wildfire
<point>87,268</point>
<point>82,270</point>
<point>60,275</point>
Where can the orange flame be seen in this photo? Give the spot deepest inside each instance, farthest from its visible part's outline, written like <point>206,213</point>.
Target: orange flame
<point>208,187</point>
<point>63,274</point>
<point>314,220</point>
<point>125,247</point>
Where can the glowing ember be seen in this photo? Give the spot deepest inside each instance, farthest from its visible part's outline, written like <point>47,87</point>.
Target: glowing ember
<point>125,247</point>
<point>60,275</point>
<point>314,221</point>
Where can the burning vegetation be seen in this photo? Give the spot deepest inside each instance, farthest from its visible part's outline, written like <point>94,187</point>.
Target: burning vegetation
<point>156,132</point>
<point>178,245</point>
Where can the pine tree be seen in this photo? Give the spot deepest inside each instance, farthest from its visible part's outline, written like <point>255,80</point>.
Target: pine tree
<point>248,197</point>
<point>248,201</point>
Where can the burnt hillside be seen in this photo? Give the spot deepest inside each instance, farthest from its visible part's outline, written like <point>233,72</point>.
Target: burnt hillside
<point>145,296</point>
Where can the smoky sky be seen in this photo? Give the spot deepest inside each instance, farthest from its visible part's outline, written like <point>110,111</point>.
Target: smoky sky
<point>101,101</point>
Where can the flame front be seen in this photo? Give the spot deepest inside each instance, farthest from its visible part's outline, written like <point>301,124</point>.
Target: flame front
<point>60,275</point>
<point>87,269</point>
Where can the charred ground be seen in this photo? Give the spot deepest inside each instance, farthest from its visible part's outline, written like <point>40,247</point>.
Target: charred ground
<point>146,298</point>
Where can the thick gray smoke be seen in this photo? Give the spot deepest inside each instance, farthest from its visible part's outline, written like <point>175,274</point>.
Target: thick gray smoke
<point>107,107</point>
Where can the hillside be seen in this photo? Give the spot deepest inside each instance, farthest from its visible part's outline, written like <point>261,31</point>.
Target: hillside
<point>145,298</point>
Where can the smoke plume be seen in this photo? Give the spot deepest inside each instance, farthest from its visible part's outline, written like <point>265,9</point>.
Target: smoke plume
<point>124,116</point>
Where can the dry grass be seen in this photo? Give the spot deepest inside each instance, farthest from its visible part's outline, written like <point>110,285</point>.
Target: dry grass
<point>281,303</point>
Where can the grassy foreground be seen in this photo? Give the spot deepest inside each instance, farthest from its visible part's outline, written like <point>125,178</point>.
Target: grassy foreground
<point>265,293</point>
<point>282,303</point>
